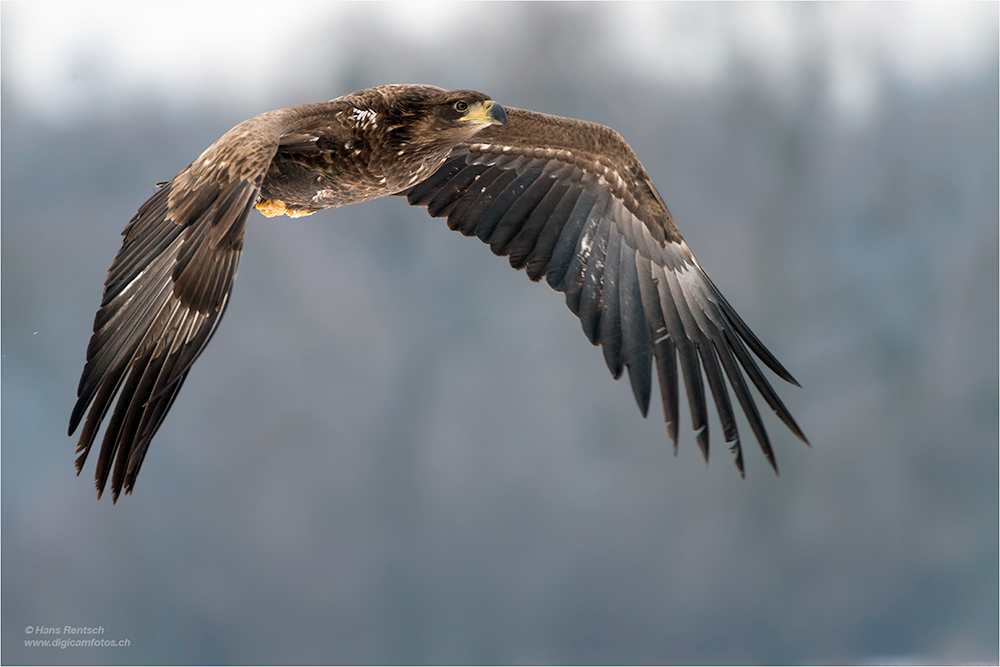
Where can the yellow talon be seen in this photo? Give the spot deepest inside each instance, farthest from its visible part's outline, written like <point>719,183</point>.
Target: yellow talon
<point>274,207</point>
<point>271,207</point>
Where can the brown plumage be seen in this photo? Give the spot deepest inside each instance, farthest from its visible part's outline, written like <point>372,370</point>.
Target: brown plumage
<point>564,199</point>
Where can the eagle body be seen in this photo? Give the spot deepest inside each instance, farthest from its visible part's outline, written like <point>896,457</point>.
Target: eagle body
<point>369,144</point>
<point>563,199</point>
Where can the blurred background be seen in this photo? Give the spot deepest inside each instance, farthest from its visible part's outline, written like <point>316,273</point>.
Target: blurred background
<point>399,450</point>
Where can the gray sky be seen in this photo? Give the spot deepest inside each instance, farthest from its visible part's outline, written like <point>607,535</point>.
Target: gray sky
<point>161,49</point>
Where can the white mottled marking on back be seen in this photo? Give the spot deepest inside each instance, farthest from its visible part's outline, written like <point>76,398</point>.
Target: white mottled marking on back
<point>364,117</point>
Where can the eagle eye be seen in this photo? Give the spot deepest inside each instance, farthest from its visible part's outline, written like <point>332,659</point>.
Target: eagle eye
<point>461,106</point>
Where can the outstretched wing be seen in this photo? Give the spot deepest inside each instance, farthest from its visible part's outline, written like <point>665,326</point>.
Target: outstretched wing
<point>569,201</point>
<point>164,296</point>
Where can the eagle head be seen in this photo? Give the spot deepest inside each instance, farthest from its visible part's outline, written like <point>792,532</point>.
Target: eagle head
<point>420,125</point>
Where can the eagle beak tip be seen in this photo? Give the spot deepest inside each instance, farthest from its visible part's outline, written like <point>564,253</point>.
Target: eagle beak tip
<point>497,113</point>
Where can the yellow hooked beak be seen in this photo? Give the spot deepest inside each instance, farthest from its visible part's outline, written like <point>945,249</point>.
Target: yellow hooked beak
<point>488,112</point>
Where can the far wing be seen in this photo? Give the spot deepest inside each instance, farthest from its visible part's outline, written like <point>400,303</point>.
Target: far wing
<point>164,296</point>
<point>569,201</point>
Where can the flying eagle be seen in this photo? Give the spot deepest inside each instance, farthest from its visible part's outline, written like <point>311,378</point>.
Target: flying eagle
<point>564,199</point>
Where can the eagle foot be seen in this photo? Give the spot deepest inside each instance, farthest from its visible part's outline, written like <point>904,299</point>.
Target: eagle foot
<point>275,207</point>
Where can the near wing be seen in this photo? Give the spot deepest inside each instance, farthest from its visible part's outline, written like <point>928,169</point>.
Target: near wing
<point>569,201</point>
<point>165,294</point>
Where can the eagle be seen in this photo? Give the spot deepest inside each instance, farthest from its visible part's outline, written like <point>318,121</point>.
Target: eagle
<point>566,200</point>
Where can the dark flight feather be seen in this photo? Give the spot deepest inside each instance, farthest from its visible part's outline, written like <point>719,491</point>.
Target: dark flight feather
<point>563,199</point>
<point>597,229</point>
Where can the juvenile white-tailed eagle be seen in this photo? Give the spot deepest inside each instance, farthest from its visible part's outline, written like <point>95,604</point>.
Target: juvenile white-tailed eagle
<point>564,199</point>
